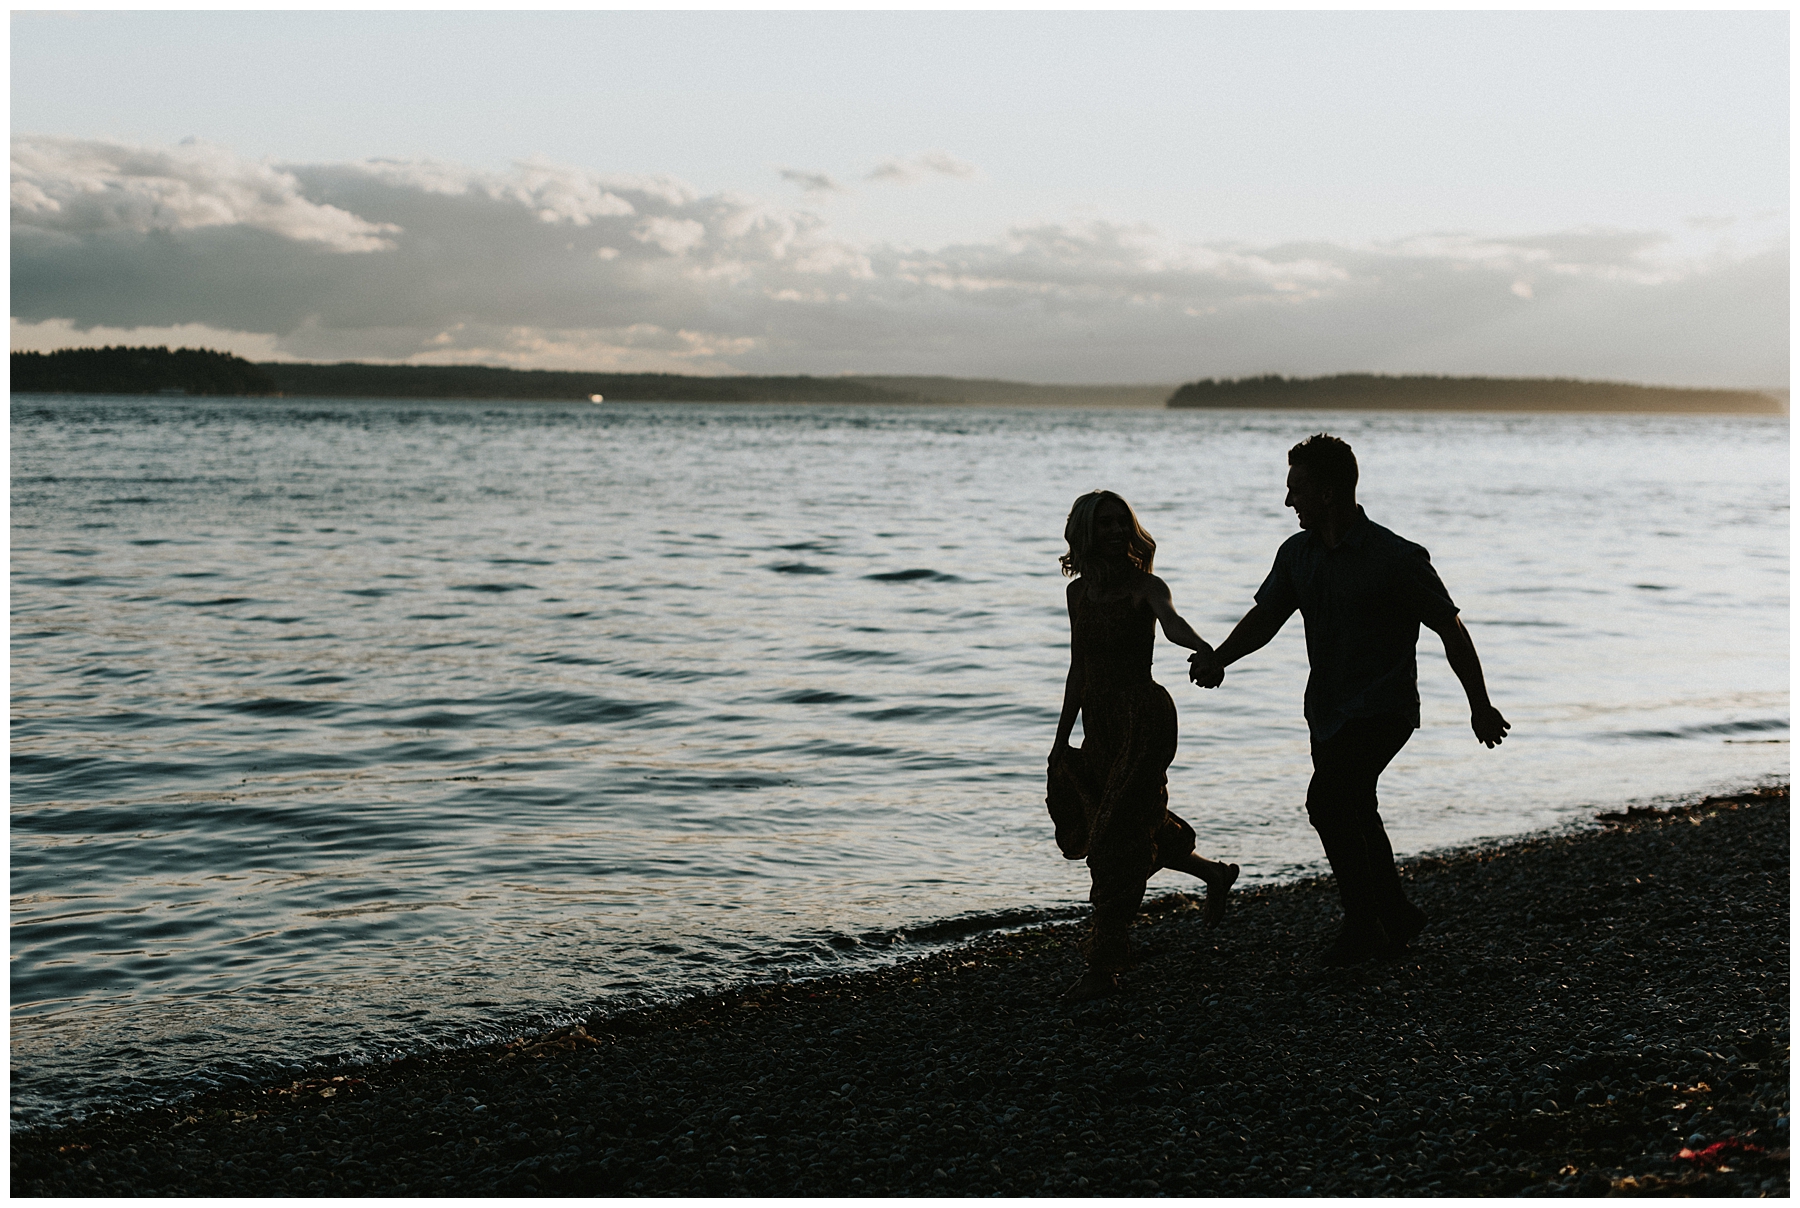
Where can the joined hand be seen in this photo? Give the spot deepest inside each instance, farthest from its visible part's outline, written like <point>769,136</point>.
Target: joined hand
<point>1204,669</point>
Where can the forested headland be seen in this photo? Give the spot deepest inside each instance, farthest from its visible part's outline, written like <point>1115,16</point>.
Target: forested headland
<point>202,371</point>
<point>191,371</point>
<point>1375,391</point>
<point>137,371</point>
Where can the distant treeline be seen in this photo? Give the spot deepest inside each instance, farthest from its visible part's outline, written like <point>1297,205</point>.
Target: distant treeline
<point>150,370</point>
<point>1378,391</point>
<point>202,371</point>
<point>137,371</point>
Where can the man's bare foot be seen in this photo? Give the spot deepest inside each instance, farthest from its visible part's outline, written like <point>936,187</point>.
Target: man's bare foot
<point>1218,890</point>
<point>1093,984</point>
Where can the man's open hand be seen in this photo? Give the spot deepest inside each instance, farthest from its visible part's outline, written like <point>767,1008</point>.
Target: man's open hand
<point>1488,725</point>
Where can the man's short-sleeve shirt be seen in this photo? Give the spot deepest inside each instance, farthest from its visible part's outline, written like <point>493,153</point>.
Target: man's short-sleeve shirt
<point>1362,603</point>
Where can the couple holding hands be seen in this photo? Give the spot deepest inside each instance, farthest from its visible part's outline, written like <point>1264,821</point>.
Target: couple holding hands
<point>1363,592</point>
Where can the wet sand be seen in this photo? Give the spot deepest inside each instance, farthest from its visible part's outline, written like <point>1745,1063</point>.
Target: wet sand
<point>1582,1010</point>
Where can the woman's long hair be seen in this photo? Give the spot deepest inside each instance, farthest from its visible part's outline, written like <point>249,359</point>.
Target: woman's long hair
<point>1082,558</point>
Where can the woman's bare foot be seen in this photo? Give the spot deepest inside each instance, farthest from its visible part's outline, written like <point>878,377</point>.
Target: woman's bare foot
<point>1218,890</point>
<point>1095,983</point>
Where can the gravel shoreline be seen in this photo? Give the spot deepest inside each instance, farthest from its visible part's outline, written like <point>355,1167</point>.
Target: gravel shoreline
<point>1581,1009</point>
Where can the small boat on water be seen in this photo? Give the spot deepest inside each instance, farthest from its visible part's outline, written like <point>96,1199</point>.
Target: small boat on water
<point>596,398</point>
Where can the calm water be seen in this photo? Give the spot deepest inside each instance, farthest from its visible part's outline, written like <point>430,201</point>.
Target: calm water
<point>346,727</point>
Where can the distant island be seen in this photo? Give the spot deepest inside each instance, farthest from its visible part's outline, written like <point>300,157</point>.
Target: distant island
<point>1373,391</point>
<point>205,372</point>
<point>191,371</point>
<point>137,371</point>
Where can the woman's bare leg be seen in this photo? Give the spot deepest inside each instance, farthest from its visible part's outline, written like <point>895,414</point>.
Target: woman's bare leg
<point>1219,879</point>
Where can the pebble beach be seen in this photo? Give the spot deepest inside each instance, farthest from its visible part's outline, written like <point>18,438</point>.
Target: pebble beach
<point>1588,1013</point>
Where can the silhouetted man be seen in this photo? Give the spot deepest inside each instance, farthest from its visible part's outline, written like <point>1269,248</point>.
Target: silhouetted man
<point>1363,591</point>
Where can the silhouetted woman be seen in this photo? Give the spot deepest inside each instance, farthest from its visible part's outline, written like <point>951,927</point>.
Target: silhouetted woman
<point>1110,797</point>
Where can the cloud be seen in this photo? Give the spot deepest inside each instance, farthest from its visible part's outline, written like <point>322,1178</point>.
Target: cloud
<point>929,163</point>
<point>75,188</point>
<point>673,235</point>
<point>811,182</point>
<point>554,266</point>
<point>1565,251</point>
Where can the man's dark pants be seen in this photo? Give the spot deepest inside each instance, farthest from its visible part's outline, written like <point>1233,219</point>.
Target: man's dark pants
<point>1341,804</point>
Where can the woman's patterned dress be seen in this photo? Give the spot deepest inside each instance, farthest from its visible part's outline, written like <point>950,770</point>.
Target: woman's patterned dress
<point>1109,797</point>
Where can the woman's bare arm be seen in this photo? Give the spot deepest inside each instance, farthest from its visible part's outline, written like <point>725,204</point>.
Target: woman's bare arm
<point>1177,630</point>
<point>1071,703</point>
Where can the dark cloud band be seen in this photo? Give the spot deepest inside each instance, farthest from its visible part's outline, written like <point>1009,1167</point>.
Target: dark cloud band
<point>560,266</point>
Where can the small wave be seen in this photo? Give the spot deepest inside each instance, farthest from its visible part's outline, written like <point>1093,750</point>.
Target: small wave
<point>380,908</point>
<point>275,706</point>
<point>575,708</point>
<point>218,603</point>
<point>917,575</point>
<point>293,761</point>
<point>678,675</point>
<point>1701,731</point>
<point>85,778</point>
<point>846,750</point>
<point>693,782</point>
<point>841,655</point>
<point>420,750</point>
<point>529,708</point>
<point>46,765</point>
<point>946,930</point>
<point>438,720</point>
<point>818,696</point>
<point>101,723</point>
<point>70,581</point>
<point>492,588</point>
<point>798,568</point>
<point>955,713</point>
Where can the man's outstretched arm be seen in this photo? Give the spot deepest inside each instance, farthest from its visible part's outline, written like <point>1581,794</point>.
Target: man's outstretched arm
<point>1251,634</point>
<point>1459,648</point>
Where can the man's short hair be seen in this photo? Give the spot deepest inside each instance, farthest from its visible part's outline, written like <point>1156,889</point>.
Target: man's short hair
<point>1328,459</point>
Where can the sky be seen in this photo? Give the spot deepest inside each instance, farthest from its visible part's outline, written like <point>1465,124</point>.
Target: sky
<point>1082,197</point>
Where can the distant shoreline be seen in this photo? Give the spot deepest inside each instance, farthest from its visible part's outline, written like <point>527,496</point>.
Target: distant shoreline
<point>1367,391</point>
<point>158,371</point>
